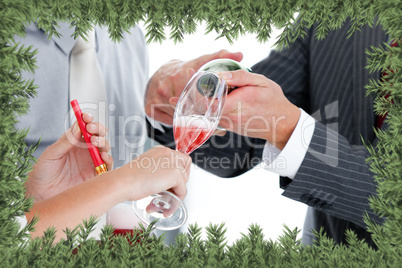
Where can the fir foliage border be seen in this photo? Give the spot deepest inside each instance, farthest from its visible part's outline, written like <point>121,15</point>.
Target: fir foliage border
<point>231,19</point>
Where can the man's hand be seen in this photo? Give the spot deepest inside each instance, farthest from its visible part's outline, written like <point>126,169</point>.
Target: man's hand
<point>258,108</point>
<point>169,81</point>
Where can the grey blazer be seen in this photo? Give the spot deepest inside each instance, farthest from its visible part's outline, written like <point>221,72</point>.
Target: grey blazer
<point>325,78</point>
<point>125,69</point>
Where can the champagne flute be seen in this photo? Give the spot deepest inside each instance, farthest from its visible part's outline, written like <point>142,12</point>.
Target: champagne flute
<point>200,105</point>
<point>196,117</point>
<point>198,110</point>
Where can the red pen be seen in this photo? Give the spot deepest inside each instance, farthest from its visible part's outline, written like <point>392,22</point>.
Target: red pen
<point>100,166</point>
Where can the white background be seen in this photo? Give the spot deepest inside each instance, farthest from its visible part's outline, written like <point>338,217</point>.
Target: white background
<point>254,197</point>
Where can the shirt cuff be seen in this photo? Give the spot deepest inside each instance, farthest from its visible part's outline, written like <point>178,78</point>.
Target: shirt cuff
<point>287,162</point>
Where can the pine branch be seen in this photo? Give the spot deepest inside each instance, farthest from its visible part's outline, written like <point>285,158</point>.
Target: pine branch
<point>230,19</point>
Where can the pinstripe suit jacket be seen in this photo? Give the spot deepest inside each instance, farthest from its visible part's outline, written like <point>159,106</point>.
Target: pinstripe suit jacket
<point>326,78</point>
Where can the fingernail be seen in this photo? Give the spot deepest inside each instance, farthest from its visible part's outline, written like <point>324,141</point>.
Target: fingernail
<point>226,75</point>
<point>173,101</point>
<point>190,72</point>
<point>90,115</point>
<point>91,127</point>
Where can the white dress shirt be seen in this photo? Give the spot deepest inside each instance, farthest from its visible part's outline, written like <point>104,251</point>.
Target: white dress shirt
<point>286,162</point>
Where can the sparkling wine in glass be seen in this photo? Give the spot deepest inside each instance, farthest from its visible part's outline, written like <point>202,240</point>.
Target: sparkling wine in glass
<point>196,117</point>
<point>200,106</point>
<point>198,111</point>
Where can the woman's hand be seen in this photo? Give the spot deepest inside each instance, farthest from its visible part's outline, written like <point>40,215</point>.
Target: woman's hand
<point>67,162</point>
<point>156,170</point>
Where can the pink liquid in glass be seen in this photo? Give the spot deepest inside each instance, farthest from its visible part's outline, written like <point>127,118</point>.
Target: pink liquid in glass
<point>191,132</point>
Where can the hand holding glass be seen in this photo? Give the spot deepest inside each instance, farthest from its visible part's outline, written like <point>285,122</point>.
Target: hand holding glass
<point>196,117</point>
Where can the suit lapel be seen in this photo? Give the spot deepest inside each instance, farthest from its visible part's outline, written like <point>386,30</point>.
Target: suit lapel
<point>65,42</point>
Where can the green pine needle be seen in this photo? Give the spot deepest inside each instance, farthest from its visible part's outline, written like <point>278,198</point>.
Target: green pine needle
<point>231,20</point>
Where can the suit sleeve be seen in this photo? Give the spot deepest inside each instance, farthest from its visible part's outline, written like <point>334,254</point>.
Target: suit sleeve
<point>334,177</point>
